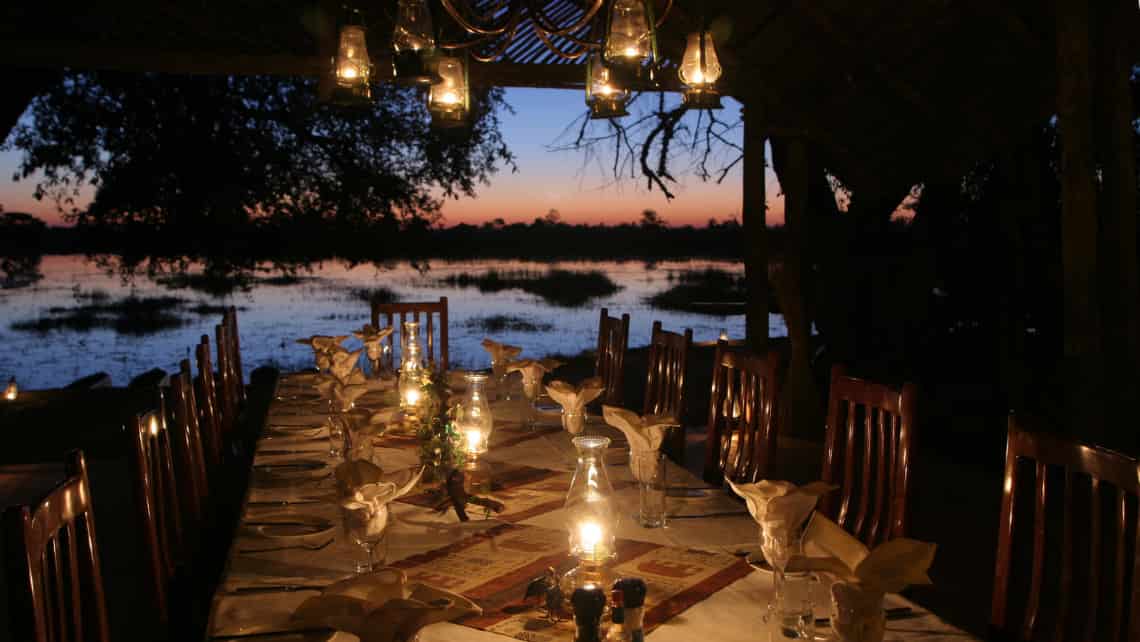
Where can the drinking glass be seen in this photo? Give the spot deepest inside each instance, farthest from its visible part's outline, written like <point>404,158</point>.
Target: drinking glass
<point>793,608</point>
<point>650,469</point>
<point>779,542</point>
<point>499,374</point>
<point>531,389</point>
<point>367,527</point>
<point>336,436</point>
<point>574,421</point>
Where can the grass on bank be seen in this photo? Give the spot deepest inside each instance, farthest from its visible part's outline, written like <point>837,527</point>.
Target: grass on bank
<point>507,323</point>
<point>130,315</point>
<point>709,291</point>
<point>562,288</point>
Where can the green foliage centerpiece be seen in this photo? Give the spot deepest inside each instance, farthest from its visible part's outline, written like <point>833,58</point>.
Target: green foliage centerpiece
<point>440,444</point>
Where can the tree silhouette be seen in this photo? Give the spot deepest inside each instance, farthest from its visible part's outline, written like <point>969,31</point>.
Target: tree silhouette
<point>198,155</point>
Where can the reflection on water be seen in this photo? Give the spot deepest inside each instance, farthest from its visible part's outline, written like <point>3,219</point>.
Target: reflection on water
<point>272,314</point>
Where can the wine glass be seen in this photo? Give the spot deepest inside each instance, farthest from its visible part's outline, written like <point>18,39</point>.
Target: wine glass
<point>367,527</point>
<point>532,387</point>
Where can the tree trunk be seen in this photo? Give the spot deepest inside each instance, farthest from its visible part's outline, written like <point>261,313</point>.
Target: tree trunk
<point>1082,364</point>
<point>755,234</point>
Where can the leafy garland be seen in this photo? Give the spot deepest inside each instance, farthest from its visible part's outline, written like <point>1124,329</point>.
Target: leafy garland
<point>440,444</point>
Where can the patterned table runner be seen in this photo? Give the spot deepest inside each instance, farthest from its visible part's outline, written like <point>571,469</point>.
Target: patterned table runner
<point>494,568</point>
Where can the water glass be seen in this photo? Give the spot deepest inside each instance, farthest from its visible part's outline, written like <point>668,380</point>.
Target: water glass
<point>367,528</point>
<point>649,469</point>
<point>794,605</point>
<point>336,436</point>
<point>574,421</point>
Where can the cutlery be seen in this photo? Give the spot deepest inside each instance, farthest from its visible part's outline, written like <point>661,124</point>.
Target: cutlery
<point>281,523</point>
<point>301,547</point>
<point>273,588</point>
<point>895,613</point>
<point>285,452</point>
<point>286,502</point>
<point>727,513</point>
<point>264,634</point>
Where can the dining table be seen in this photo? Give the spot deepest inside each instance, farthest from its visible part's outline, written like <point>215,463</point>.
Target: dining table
<point>698,567</point>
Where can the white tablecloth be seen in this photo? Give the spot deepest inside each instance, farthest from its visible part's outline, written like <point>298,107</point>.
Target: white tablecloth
<point>714,522</point>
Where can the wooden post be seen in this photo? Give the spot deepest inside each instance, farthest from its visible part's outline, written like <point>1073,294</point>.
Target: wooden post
<point>803,416</point>
<point>754,213</point>
<point>1117,22</point>
<point>1082,364</point>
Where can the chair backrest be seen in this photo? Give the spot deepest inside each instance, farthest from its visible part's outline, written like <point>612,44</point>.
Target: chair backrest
<point>1102,553</point>
<point>742,427</point>
<point>205,394</point>
<point>230,320</point>
<point>613,341</point>
<point>190,464</point>
<point>385,315</point>
<point>867,452</point>
<point>224,383</point>
<point>665,382</point>
<point>55,583</point>
<point>156,494</point>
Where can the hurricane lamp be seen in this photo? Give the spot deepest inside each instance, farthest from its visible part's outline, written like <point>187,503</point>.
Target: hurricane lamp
<point>12,390</point>
<point>630,37</point>
<point>413,42</point>
<point>353,68</point>
<point>591,515</point>
<point>473,420</point>
<point>449,98</point>
<point>605,97</point>
<point>699,71</point>
<point>412,370</point>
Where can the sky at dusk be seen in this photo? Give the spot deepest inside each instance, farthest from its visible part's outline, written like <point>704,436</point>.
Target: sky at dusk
<point>581,189</point>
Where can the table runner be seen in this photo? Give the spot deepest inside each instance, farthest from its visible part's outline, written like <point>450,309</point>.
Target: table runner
<point>493,568</point>
<point>727,608</point>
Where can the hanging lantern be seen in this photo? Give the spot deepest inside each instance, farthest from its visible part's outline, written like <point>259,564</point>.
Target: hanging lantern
<point>630,39</point>
<point>448,98</point>
<point>604,96</point>
<point>412,42</point>
<point>700,69</point>
<point>353,68</point>
<point>12,390</point>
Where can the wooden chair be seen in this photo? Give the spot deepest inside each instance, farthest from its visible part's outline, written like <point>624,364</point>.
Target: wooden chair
<point>205,393</point>
<point>384,315</point>
<point>613,341</point>
<point>226,395</point>
<point>189,461</point>
<point>230,319</point>
<point>665,382</point>
<point>55,583</point>
<point>867,452</point>
<point>1093,480</point>
<point>742,427</point>
<point>156,494</point>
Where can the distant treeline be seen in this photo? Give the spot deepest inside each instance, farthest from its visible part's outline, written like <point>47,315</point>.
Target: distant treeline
<point>304,240</point>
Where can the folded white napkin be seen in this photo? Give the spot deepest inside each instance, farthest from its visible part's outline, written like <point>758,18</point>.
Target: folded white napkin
<point>343,363</point>
<point>323,342</point>
<point>501,352</point>
<point>889,568</point>
<point>347,395</point>
<point>371,337</point>
<point>573,400</point>
<point>644,434</point>
<point>382,607</point>
<point>781,501</point>
<point>534,369</point>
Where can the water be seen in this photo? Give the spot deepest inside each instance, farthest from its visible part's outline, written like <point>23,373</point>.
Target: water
<point>272,316</point>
